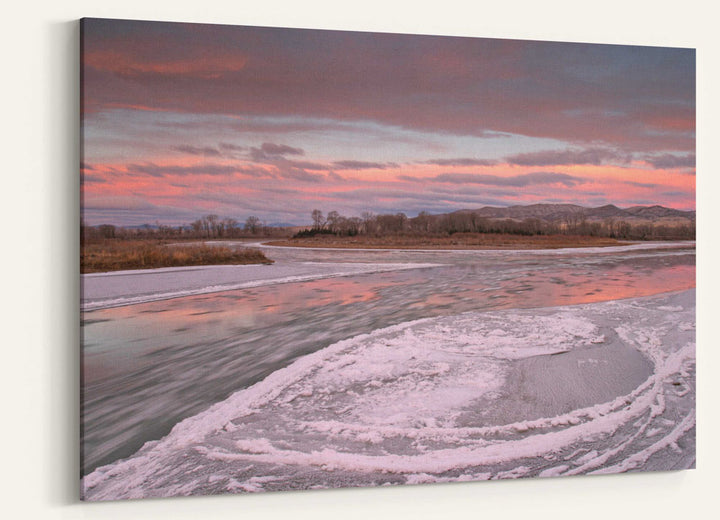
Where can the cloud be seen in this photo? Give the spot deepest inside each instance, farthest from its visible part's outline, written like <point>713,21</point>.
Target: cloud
<point>676,193</point>
<point>227,150</point>
<point>308,165</point>
<point>122,203</point>
<point>583,93</point>
<point>280,149</point>
<point>518,181</point>
<point>670,162</point>
<point>273,155</point>
<point>269,152</point>
<point>173,52</point>
<point>155,170</point>
<point>593,156</point>
<point>300,174</point>
<point>255,104</point>
<point>302,171</point>
<point>231,147</point>
<point>207,151</point>
<point>461,162</point>
<point>92,179</point>
<point>279,169</point>
<point>642,184</point>
<point>363,165</point>
<point>388,200</point>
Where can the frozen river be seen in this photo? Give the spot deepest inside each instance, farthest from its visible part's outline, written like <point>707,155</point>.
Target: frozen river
<point>164,346</point>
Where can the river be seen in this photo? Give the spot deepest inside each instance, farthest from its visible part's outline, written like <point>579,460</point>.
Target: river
<point>147,366</point>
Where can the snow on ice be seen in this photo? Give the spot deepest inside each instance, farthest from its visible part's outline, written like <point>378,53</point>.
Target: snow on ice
<point>438,400</point>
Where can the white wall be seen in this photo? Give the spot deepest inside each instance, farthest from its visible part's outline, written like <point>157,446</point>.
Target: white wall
<point>38,353</point>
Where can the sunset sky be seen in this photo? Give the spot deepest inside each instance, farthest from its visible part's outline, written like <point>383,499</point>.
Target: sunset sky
<point>185,120</point>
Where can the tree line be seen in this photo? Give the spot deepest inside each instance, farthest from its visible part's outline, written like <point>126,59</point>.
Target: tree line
<point>424,224</point>
<point>471,222</point>
<point>209,226</point>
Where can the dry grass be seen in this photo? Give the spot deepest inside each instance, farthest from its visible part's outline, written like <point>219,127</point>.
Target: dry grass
<point>117,255</point>
<point>456,241</point>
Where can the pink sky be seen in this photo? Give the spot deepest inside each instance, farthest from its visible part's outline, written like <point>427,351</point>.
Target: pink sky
<point>183,120</point>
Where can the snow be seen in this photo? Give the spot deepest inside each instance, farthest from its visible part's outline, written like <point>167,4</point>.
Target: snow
<point>406,404</point>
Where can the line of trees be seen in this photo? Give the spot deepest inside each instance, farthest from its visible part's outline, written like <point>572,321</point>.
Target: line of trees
<point>209,226</point>
<point>471,222</point>
<point>213,227</point>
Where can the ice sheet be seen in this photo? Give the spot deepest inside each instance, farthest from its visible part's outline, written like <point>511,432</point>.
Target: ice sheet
<point>401,405</point>
<point>114,289</point>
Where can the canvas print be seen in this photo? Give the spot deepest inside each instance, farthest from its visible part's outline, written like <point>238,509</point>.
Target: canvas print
<point>318,259</point>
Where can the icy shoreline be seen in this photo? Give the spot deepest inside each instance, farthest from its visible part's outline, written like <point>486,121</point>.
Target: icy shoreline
<point>118,288</point>
<point>407,404</point>
<point>644,246</point>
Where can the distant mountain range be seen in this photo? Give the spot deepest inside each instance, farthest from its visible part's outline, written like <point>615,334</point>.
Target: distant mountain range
<point>561,212</point>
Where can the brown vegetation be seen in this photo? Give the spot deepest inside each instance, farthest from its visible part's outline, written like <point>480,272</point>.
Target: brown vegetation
<point>455,241</point>
<point>207,227</point>
<point>572,224</point>
<point>115,255</point>
<point>542,226</point>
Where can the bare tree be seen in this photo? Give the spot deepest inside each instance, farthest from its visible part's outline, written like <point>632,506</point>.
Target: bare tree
<point>318,219</point>
<point>421,223</point>
<point>333,221</point>
<point>252,224</point>
<point>212,221</point>
<point>368,222</point>
<point>353,225</point>
<point>197,227</point>
<point>231,226</point>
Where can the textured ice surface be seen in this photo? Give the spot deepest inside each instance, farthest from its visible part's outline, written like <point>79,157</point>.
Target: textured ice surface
<point>150,365</point>
<point>445,399</point>
<point>104,290</point>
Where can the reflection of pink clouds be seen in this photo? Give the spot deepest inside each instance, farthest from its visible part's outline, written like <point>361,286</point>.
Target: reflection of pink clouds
<point>585,289</point>
<point>244,303</point>
<point>569,287</point>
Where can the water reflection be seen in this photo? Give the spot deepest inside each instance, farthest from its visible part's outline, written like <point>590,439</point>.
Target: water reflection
<point>147,366</point>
